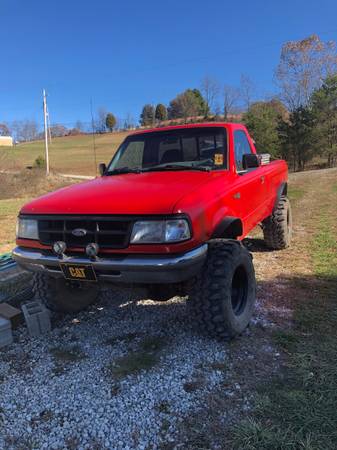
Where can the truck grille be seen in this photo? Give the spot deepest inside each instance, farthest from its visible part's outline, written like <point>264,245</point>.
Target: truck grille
<point>106,232</point>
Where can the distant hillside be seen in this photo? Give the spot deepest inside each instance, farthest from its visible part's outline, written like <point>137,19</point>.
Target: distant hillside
<point>73,154</point>
<point>69,154</point>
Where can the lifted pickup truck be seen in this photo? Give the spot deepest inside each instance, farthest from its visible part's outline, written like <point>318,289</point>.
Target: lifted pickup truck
<point>169,211</point>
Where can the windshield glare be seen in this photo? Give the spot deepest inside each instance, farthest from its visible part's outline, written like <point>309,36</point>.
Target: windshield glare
<point>186,147</point>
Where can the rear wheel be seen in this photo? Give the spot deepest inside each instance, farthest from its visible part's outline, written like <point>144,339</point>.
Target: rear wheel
<point>223,297</point>
<point>60,295</point>
<point>277,228</point>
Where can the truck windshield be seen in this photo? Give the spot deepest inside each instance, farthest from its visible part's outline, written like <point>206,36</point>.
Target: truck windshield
<point>179,149</point>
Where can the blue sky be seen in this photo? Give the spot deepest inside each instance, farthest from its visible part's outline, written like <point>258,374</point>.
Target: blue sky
<point>125,54</point>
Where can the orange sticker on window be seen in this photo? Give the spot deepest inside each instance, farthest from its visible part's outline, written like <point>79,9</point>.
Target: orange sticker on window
<point>218,159</point>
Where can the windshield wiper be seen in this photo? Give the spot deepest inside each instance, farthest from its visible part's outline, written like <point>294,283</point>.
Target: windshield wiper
<point>122,170</point>
<point>177,167</point>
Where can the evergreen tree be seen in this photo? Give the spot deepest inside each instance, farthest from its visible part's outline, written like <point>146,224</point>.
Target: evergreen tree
<point>161,112</point>
<point>262,121</point>
<point>324,109</point>
<point>147,116</point>
<point>296,137</point>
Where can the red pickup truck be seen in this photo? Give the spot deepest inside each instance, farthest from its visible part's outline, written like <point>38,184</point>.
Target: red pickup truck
<point>169,211</point>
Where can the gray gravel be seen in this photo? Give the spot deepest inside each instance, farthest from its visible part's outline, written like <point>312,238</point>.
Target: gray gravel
<point>63,390</point>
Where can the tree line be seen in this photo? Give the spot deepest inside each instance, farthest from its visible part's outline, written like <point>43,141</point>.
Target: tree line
<point>297,124</point>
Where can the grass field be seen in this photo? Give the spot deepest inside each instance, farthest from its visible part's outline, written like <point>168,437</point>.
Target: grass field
<point>70,154</point>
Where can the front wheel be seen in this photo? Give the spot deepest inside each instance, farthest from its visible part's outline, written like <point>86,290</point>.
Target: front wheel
<point>223,297</point>
<point>64,296</point>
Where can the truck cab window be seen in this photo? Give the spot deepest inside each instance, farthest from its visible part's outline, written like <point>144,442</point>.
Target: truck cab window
<point>241,147</point>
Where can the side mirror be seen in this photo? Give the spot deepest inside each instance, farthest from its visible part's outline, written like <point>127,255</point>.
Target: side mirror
<point>102,168</point>
<point>250,161</point>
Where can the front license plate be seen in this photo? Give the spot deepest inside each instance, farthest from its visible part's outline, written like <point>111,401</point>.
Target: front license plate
<point>78,272</point>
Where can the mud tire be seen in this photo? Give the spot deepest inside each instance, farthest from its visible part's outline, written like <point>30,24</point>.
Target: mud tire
<point>62,296</point>
<point>277,228</point>
<point>223,296</point>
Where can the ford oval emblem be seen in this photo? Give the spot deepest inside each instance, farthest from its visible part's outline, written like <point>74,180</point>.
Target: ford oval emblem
<point>79,232</point>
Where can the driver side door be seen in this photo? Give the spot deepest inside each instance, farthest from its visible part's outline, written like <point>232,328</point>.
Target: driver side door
<point>250,193</point>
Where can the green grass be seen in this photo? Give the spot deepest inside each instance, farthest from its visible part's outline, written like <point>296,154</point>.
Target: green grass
<point>144,358</point>
<point>67,355</point>
<point>295,193</point>
<point>10,206</point>
<point>298,410</point>
<point>69,154</point>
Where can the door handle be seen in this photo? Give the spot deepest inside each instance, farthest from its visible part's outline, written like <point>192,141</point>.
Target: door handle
<point>237,195</point>
<point>262,179</point>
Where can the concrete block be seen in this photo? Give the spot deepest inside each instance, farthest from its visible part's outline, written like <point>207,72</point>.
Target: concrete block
<point>37,318</point>
<point>6,336</point>
<point>14,315</point>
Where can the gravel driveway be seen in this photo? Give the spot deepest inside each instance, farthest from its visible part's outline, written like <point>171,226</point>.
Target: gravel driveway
<point>124,374</point>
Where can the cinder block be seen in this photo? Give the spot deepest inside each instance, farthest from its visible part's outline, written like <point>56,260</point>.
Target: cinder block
<point>10,313</point>
<point>37,318</point>
<point>6,336</point>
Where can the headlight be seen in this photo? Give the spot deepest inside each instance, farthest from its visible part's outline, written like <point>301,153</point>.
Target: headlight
<point>27,229</point>
<point>160,231</point>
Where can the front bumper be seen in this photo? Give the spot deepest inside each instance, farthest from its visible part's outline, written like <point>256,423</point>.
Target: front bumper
<point>121,268</point>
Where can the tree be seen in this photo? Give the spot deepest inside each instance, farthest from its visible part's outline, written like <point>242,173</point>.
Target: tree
<point>147,115</point>
<point>58,130</point>
<point>202,105</point>
<point>296,137</point>
<point>79,125</point>
<point>161,112</point>
<point>210,90</point>
<point>4,130</point>
<point>188,104</point>
<point>262,121</point>
<point>231,96</point>
<point>247,91</point>
<point>302,68</point>
<point>324,108</point>
<point>100,120</point>
<point>110,121</point>
<point>25,130</point>
<point>129,122</point>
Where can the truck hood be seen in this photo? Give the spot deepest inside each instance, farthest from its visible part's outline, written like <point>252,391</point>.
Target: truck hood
<point>144,193</point>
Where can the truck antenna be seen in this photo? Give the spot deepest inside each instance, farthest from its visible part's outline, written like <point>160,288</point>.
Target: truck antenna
<point>93,135</point>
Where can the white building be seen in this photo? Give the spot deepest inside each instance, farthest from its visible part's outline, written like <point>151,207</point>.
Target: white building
<point>6,141</point>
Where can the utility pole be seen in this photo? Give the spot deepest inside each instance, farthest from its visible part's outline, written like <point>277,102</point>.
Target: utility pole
<point>49,127</point>
<point>45,130</point>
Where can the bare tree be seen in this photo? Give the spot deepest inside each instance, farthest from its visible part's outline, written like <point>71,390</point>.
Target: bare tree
<point>302,68</point>
<point>100,126</point>
<point>129,121</point>
<point>58,130</point>
<point>210,90</point>
<point>4,129</point>
<point>25,130</point>
<point>231,96</point>
<point>247,90</point>
<point>79,125</point>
